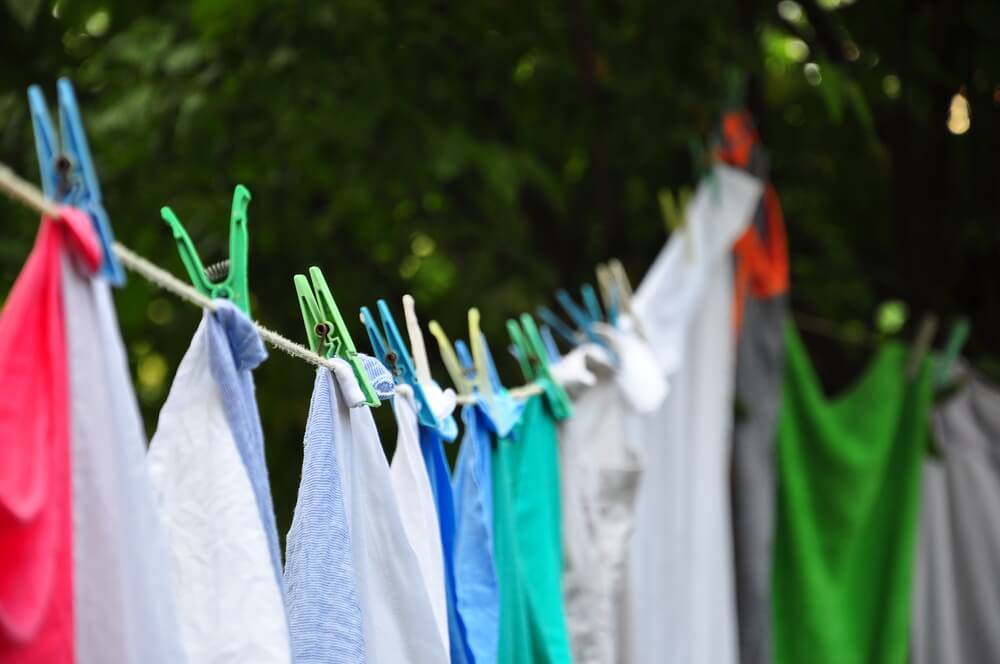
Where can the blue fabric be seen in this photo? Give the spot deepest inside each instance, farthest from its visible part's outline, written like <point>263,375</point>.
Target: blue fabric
<point>477,591</point>
<point>234,351</point>
<point>322,598</point>
<point>432,449</point>
<point>380,377</point>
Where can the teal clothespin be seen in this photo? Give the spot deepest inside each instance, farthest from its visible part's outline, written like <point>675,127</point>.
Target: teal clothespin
<point>520,349</point>
<point>392,352</point>
<point>325,328</point>
<point>227,279</point>
<point>538,364</point>
<point>956,339</point>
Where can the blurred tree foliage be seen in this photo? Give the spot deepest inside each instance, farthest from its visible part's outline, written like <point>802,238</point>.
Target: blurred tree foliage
<point>484,153</point>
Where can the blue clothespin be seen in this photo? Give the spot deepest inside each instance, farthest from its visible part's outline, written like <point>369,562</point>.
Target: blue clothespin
<point>466,361</point>
<point>590,301</point>
<point>560,328</point>
<point>583,322</point>
<point>392,352</point>
<point>551,349</point>
<point>68,175</point>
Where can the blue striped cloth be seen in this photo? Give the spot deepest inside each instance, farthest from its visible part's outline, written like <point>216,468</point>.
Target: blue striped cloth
<point>322,597</point>
<point>234,351</point>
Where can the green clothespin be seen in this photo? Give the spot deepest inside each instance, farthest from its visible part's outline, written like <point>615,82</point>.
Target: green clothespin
<point>523,354</point>
<point>701,165</point>
<point>325,328</point>
<point>956,339</point>
<point>226,279</point>
<point>559,401</point>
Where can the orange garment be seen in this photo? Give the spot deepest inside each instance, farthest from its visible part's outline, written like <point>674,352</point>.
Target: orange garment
<point>36,520</point>
<point>761,259</point>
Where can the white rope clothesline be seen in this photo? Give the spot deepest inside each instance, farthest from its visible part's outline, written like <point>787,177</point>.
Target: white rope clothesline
<point>23,191</point>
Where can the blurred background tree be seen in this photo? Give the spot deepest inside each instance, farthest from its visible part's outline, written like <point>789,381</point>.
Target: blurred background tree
<point>486,153</point>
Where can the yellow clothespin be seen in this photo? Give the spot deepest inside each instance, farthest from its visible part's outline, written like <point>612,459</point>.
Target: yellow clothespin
<point>458,378</point>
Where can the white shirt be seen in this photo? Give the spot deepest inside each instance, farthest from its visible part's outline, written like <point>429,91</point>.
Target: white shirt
<point>231,607</point>
<point>397,611</point>
<point>417,508</point>
<point>682,569</point>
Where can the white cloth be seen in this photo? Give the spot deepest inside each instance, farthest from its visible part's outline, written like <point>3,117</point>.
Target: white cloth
<point>682,568</point>
<point>397,614</point>
<point>123,591</point>
<point>231,606</point>
<point>600,470</point>
<point>417,508</point>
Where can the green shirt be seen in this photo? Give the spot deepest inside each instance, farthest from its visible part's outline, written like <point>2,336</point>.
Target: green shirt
<point>527,540</point>
<point>849,485</point>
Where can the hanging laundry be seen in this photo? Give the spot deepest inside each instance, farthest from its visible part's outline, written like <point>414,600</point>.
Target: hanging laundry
<point>760,308</point>
<point>418,510</point>
<point>956,605</point>
<point>324,608</point>
<point>207,463</point>
<point>527,541</point>
<point>476,587</point>
<point>601,466</point>
<point>36,519</point>
<point>396,611</point>
<point>124,593</point>
<point>682,568</point>
<point>439,475</point>
<point>849,483</point>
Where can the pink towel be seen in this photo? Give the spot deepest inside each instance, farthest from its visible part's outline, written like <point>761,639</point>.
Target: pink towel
<point>36,529</point>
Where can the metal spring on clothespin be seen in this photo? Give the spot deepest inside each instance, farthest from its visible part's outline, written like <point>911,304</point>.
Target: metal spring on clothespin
<point>217,272</point>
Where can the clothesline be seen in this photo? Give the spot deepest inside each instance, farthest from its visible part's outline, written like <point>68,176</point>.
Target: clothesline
<point>24,192</point>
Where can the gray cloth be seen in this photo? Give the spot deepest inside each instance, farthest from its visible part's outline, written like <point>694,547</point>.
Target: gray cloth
<point>759,363</point>
<point>956,603</point>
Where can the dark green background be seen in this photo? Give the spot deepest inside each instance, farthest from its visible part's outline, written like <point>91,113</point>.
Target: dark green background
<point>485,153</point>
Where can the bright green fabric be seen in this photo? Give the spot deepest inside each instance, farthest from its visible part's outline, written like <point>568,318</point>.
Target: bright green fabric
<point>849,491</point>
<point>527,541</point>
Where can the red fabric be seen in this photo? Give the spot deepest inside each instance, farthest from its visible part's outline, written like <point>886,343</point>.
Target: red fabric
<point>761,262</point>
<point>36,528</point>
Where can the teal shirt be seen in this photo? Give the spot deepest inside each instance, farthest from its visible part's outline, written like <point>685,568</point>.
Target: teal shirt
<point>528,540</point>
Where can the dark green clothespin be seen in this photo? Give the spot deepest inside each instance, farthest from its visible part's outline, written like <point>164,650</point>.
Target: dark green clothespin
<point>325,328</point>
<point>226,279</point>
<point>956,339</point>
<point>735,89</point>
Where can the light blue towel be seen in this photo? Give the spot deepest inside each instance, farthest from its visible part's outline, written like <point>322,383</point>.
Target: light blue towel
<point>234,351</point>
<point>476,589</point>
<point>322,597</point>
